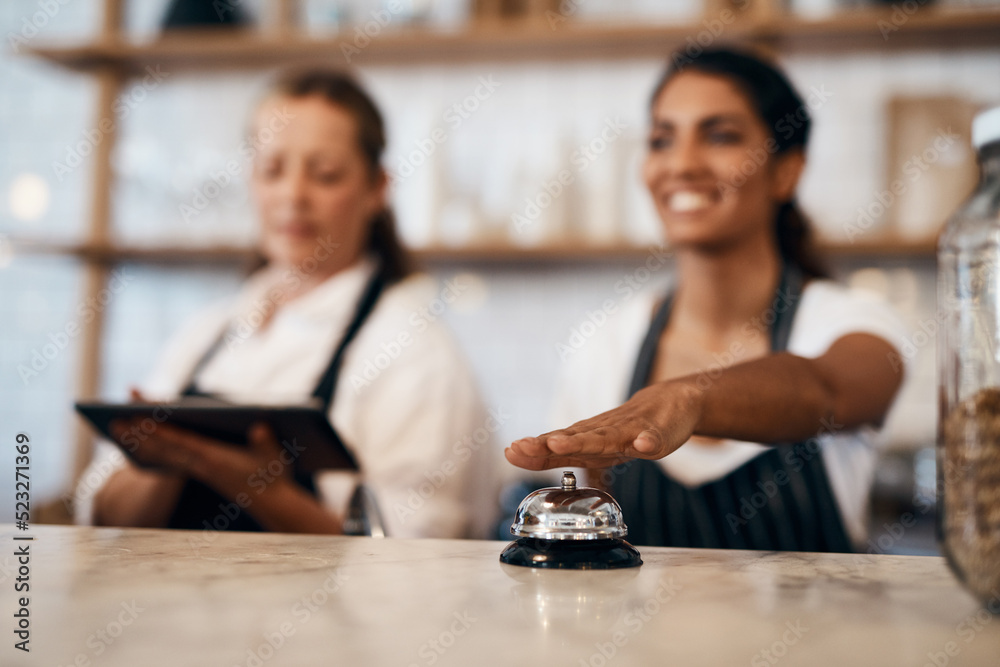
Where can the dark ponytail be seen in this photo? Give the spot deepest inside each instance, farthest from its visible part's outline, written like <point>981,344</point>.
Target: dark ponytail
<point>786,116</point>
<point>383,242</point>
<point>342,90</point>
<point>796,243</point>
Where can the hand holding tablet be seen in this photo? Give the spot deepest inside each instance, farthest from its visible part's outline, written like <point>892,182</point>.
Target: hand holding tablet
<point>303,431</point>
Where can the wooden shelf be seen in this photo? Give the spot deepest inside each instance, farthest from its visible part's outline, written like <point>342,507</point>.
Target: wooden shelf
<point>884,29</point>
<point>885,247</point>
<point>485,255</point>
<point>509,254</point>
<point>532,40</point>
<point>112,254</point>
<point>192,50</point>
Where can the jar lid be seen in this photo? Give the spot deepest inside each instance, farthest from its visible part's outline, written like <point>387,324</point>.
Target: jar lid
<point>986,127</point>
<point>569,513</point>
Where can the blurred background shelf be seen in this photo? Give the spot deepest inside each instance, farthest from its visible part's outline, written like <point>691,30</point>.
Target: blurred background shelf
<point>884,29</point>
<point>874,29</point>
<point>479,254</point>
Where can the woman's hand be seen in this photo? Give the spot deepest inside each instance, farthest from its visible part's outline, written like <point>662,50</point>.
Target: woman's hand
<point>228,469</point>
<point>653,423</point>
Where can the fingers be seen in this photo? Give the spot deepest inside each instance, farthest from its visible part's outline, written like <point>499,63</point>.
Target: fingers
<point>600,445</point>
<point>599,441</point>
<point>531,447</point>
<point>179,449</point>
<point>602,441</point>
<point>166,446</point>
<point>548,462</point>
<point>260,434</point>
<point>263,442</point>
<point>588,437</point>
<point>118,428</point>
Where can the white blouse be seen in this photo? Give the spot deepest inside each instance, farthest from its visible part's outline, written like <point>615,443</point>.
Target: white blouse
<point>406,403</point>
<point>596,378</point>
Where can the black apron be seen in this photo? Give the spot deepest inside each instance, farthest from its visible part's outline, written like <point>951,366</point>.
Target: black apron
<point>199,506</point>
<point>780,500</point>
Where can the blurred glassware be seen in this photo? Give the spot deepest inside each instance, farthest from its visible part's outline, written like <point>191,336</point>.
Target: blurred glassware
<point>185,14</point>
<point>969,371</point>
<point>321,16</point>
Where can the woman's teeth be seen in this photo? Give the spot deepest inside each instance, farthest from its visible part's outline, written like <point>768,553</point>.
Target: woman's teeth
<point>686,201</point>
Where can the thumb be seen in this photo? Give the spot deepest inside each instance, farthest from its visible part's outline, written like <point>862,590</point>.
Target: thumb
<point>649,442</point>
<point>262,441</point>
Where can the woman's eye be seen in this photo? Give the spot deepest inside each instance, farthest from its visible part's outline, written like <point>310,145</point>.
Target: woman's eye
<point>658,143</point>
<point>328,176</point>
<point>724,137</point>
<point>270,171</point>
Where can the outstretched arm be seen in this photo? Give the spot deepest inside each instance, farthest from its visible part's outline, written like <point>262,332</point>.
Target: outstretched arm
<point>779,398</point>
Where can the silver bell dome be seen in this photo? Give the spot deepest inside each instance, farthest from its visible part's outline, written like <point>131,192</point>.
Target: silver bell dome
<point>569,513</point>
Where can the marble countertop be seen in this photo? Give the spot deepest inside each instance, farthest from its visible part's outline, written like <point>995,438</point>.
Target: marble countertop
<point>129,597</point>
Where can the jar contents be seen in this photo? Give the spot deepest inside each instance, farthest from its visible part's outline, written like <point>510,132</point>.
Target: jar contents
<point>970,475</point>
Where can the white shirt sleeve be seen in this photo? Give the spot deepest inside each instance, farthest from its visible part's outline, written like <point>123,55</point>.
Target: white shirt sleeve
<point>829,311</point>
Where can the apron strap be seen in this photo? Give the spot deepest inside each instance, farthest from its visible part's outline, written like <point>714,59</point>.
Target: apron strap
<point>647,353</point>
<point>191,387</point>
<point>327,385</point>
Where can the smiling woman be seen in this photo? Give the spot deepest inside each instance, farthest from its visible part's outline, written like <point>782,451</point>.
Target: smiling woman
<point>336,285</point>
<point>756,386</point>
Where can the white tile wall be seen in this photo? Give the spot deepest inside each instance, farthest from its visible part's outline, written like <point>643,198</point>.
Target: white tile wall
<point>40,316</point>
<point>148,311</point>
<point>44,115</point>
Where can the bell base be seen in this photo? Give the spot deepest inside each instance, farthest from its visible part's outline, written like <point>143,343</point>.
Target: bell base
<point>571,554</point>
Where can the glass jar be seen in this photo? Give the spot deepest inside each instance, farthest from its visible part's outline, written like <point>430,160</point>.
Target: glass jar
<point>969,376</point>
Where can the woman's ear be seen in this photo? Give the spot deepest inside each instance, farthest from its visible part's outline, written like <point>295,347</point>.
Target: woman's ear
<point>382,181</point>
<point>786,170</point>
<point>380,190</point>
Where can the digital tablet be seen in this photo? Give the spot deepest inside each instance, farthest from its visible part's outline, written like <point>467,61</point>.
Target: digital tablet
<point>302,429</point>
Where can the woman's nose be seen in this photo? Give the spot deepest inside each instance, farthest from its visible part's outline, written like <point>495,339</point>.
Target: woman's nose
<point>684,158</point>
<point>296,187</point>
